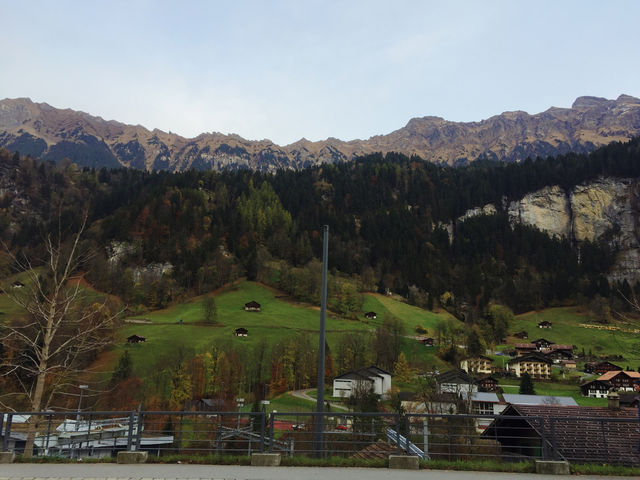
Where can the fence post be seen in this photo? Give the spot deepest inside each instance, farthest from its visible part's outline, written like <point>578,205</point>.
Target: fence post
<point>46,447</point>
<point>139,430</point>
<point>271,428</point>
<point>544,451</point>
<point>262,424</point>
<point>130,432</point>
<point>406,429</point>
<point>398,434</point>
<point>425,437</point>
<point>7,433</point>
<point>552,431</point>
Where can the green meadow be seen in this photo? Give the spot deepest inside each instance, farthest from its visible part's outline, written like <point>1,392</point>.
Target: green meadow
<point>183,325</point>
<point>566,329</point>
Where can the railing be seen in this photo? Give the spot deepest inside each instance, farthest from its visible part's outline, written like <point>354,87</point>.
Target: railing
<point>364,435</point>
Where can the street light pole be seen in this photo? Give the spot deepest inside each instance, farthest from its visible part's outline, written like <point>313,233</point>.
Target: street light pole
<point>82,389</point>
<point>321,344</point>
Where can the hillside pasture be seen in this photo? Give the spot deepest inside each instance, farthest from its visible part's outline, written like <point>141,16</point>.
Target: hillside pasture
<point>566,329</point>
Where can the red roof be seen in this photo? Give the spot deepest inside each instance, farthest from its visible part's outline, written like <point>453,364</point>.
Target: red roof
<point>526,345</point>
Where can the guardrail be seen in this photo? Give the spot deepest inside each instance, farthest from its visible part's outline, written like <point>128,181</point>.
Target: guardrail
<point>365,435</point>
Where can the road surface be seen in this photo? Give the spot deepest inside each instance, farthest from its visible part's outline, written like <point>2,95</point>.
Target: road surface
<point>304,394</point>
<point>110,471</point>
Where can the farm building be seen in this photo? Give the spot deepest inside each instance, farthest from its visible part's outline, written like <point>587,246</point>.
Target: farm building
<point>136,339</point>
<point>241,332</point>
<point>252,306</point>
<point>545,324</point>
<point>370,315</point>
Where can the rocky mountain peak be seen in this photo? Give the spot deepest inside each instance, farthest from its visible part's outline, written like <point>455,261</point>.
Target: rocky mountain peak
<point>43,131</point>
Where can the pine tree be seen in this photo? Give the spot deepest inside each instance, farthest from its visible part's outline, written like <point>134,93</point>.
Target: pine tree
<point>526,385</point>
<point>123,369</point>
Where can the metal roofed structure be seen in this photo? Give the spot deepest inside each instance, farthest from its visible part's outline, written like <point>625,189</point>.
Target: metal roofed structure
<point>518,399</point>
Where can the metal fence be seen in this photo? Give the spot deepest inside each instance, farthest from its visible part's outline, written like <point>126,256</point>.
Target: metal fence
<point>358,435</point>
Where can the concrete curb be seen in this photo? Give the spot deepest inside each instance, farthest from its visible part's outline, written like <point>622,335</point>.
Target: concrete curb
<point>553,467</point>
<point>265,459</point>
<point>404,462</point>
<point>7,457</point>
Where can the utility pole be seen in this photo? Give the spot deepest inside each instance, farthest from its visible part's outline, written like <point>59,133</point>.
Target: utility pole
<point>321,345</point>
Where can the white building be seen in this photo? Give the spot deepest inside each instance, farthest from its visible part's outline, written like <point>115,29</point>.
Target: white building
<point>364,380</point>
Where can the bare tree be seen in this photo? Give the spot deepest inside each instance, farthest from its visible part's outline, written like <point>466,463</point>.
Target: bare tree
<point>58,331</point>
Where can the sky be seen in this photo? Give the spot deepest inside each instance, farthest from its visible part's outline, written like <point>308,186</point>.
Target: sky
<point>284,70</point>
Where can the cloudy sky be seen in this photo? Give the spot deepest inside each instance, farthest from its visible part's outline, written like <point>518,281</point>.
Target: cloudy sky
<point>289,69</point>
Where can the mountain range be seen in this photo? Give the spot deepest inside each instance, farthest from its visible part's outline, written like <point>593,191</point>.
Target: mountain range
<point>40,130</point>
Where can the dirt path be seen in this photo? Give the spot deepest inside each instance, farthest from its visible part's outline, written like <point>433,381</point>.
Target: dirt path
<point>304,395</point>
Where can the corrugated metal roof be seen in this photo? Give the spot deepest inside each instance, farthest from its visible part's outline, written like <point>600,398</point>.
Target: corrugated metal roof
<point>518,399</point>
<point>484,397</point>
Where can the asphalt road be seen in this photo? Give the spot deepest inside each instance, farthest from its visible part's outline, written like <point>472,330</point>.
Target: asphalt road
<point>108,471</point>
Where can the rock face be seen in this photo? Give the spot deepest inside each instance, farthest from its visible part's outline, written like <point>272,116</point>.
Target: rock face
<point>607,209</point>
<point>39,130</point>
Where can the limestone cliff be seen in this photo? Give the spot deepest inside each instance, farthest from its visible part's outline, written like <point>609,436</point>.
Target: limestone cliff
<point>606,209</point>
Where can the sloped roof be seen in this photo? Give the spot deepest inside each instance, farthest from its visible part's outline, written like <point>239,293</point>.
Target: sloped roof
<point>525,345</point>
<point>532,357</point>
<point>484,397</point>
<point>612,373</point>
<point>580,434</point>
<point>530,400</point>
<point>363,374</point>
<point>455,376</point>
<point>561,346</point>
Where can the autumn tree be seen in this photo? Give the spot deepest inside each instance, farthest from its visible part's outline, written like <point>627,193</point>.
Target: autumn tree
<point>60,328</point>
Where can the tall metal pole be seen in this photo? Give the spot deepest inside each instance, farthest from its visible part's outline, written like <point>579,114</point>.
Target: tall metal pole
<point>321,344</point>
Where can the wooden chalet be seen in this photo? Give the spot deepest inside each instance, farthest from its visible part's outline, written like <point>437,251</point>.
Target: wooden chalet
<point>487,383</point>
<point>541,343</point>
<point>136,339</point>
<point>427,342</point>
<point>601,367</point>
<point>522,335</point>
<point>252,306</point>
<point>595,388</point>
<point>524,348</point>
<point>17,284</point>
<point>370,315</point>
<point>241,332</point>
<point>545,324</point>
<point>620,380</point>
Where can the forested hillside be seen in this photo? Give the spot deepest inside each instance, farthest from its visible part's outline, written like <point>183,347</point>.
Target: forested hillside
<point>159,237</point>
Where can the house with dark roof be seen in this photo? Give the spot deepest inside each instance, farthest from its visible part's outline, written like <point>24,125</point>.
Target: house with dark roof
<point>456,381</point>
<point>17,284</point>
<point>573,433</point>
<point>600,367</point>
<point>136,339</point>
<point>427,342</point>
<point>370,315</point>
<point>487,383</point>
<point>535,364</point>
<point>525,348</point>
<point>595,388</point>
<point>252,306</point>
<point>371,378</point>
<point>557,355</point>
<point>542,343</point>
<point>241,332</point>
<point>620,380</point>
<point>522,335</point>
<point>545,324</point>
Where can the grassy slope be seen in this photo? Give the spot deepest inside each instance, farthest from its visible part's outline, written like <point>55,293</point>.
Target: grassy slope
<point>278,319</point>
<point>566,330</point>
